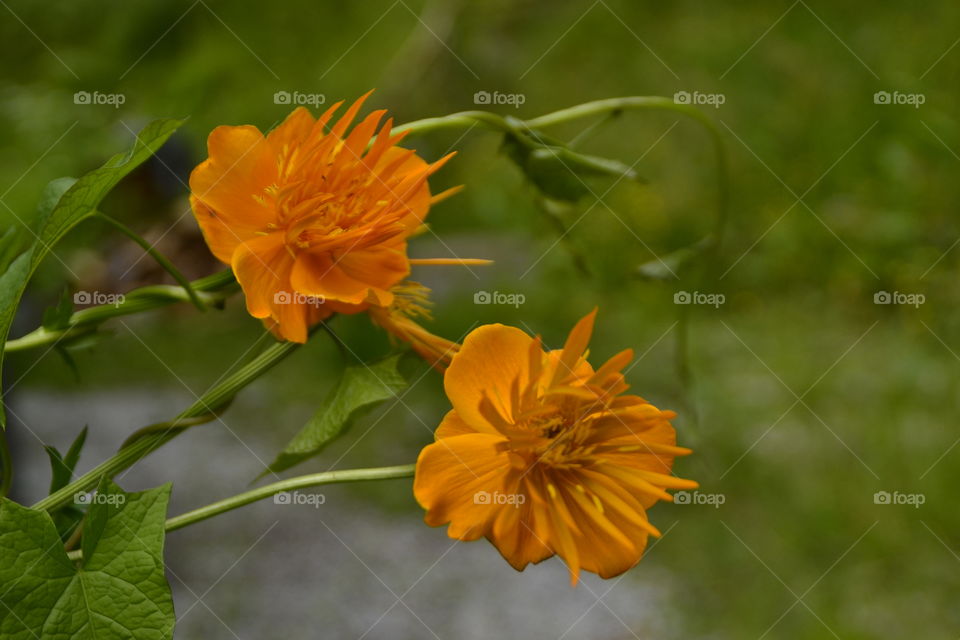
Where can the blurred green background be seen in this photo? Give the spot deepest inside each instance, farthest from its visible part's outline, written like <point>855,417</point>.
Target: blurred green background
<point>805,397</point>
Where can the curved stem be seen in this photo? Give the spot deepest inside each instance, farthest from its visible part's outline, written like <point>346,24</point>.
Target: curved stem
<point>156,255</point>
<point>140,448</point>
<point>614,105</point>
<point>179,423</point>
<point>291,484</point>
<point>458,120</point>
<point>610,106</point>
<point>211,290</point>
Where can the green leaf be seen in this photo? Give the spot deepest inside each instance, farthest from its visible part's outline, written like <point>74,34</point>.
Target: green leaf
<point>62,467</point>
<point>360,388</point>
<point>558,171</point>
<point>118,591</point>
<point>65,203</point>
<point>669,266</point>
<point>58,317</point>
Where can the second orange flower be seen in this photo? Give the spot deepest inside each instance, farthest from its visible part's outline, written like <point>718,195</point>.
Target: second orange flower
<point>313,219</point>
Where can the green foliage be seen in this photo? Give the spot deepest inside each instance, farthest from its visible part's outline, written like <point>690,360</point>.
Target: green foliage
<point>67,202</point>
<point>61,473</point>
<point>360,388</point>
<point>58,317</point>
<point>556,170</point>
<point>62,467</point>
<point>117,591</point>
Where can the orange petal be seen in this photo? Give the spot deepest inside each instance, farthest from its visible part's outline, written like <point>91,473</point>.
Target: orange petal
<point>239,169</point>
<point>456,481</point>
<point>574,348</point>
<point>293,131</point>
<point>262,267</point>
<point>513,534</point>
<point>317,274</point>
<point>492,357</point>
<point>453,425</point>
<point>379,267</point>
<point>220,238</point>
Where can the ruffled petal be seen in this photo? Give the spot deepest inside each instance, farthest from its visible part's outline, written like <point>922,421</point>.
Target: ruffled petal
<point>453,425</point>
<point>456,481</point>
<point>293,131</point>
<point>492,358</point>
<point>262,267</point>
<point>231,183</point>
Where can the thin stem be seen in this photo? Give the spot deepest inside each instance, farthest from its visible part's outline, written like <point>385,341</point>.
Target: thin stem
<point>156,255</point>
<point>614,105</point>
<point>211,290</point>
<point>291,484</point>
<point>182,423</point>
<point>459,120</point>
<point>609,107</point>
<point>140,448</point>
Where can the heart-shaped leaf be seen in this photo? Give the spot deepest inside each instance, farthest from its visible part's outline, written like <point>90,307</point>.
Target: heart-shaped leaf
<point>118,590</point>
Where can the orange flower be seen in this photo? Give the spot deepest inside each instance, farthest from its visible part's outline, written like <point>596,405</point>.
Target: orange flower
<point>312,219</point>
<point>543,455</point>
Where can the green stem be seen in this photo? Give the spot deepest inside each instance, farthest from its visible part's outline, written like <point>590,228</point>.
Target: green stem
<point>291,484</point>
<point>614,105</point>
<point>211,290</point>
<point>6,465</point>
<point>156,255</point>
<point>460,120</point>
<point>140,448</point>
<point>610,106</point>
